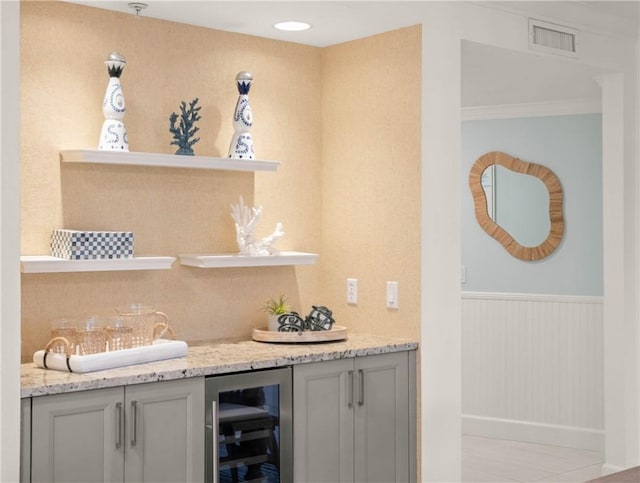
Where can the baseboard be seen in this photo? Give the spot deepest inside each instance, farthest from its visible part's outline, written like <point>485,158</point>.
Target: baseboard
<point>608,469</point>
<point>531,432</point>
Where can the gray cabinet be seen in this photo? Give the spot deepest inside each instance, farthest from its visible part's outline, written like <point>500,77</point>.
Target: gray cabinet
<point>354,420</point>
<point>141,433</point>
<point>165,432</point>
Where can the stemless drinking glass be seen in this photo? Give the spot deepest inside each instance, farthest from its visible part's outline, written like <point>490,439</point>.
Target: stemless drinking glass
<point>145,322</point>
<point>119,334</point>
<point>67,329</point>
<point>91,335</point>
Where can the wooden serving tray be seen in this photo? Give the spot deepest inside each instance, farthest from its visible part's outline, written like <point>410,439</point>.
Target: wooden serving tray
<point>337,332</point>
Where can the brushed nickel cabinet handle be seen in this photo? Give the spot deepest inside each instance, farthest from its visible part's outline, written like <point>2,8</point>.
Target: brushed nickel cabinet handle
<point>134,422</point>
<point>361,392</point>
<point>118,425</point>
<point>350,388</point>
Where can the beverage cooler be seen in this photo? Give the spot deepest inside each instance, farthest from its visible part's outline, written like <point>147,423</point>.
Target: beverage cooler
<point>248,434</point>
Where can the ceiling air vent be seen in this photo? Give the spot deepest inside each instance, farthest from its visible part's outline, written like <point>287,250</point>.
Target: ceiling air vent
<point>553,38</point>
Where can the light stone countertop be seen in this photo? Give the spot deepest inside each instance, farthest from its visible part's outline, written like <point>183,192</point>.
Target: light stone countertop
<point>207,358</point>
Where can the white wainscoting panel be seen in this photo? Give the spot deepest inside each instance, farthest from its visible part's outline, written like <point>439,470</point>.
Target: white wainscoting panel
<point>532,368</point>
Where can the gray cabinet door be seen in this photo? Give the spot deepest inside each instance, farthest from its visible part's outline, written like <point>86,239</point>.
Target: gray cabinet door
<point>76,437</point>
<point>323,422</point>
<point>382,418</point>
<point>165,431</point>
<point>25,440</point>
<point>352,420</point>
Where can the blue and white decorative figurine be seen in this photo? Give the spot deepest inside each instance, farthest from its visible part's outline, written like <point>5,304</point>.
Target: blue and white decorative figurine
<point>242,145</point>
<point>113,136</point>
<point>185,130</point>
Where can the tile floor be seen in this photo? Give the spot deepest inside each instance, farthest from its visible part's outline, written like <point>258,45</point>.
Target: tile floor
<point>501,461</point>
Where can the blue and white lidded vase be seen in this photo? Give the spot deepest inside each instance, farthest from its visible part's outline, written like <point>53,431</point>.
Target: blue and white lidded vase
<point>113,136</point>
<point>242,144</point>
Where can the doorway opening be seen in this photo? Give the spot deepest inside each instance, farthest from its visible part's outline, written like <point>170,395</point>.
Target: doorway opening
<point>532,332</point>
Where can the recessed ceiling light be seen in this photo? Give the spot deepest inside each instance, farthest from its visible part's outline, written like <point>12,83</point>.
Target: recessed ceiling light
<point>292,26</point>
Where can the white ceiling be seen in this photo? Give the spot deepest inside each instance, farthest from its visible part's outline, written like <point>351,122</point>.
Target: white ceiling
<point>490,75</point>
<point>339,21</point>
<point>332,22</point>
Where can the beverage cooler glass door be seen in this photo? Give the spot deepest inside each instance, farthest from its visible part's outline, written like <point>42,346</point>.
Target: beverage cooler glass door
<point>250,415</point>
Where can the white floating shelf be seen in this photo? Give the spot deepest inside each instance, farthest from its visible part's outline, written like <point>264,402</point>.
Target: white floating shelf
<point>48,264</point>
<point>225,260</point>
<point>165,160</point>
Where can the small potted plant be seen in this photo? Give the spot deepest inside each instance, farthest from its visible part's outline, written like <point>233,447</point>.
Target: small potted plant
<point>275,308</point>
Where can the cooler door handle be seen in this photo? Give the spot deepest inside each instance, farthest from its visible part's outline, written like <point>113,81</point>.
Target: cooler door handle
<point>214,430</point>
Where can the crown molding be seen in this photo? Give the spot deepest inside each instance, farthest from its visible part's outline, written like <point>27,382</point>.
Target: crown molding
<point>532,109</point>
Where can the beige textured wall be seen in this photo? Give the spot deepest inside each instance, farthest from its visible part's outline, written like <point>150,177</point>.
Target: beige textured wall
<point>344,121</point>
<point>171,211</point>
<point>371,179</point>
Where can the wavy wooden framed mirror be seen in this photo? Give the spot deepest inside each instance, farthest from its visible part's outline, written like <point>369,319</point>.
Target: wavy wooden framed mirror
<point>483,199</point>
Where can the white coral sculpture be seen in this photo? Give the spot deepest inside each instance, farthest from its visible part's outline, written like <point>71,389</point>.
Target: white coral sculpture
<point>246,221</point>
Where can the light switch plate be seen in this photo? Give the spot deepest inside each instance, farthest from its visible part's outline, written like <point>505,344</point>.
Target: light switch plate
<point>392,295</point>
<point>352,291</point>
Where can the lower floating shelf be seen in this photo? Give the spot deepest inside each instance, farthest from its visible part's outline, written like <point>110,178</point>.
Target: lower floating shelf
<point>48,264</point>
<point>225,260</point>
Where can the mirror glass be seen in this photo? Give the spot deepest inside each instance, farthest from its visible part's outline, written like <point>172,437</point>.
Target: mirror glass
<point>517,202</point>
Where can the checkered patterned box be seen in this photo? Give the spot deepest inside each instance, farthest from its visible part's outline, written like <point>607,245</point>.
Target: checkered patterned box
<point>91,245</point>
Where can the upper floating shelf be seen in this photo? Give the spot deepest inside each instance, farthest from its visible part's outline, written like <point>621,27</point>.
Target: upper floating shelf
<point>48,264</point>
<point>165,160</point>
<point>225,260</point>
